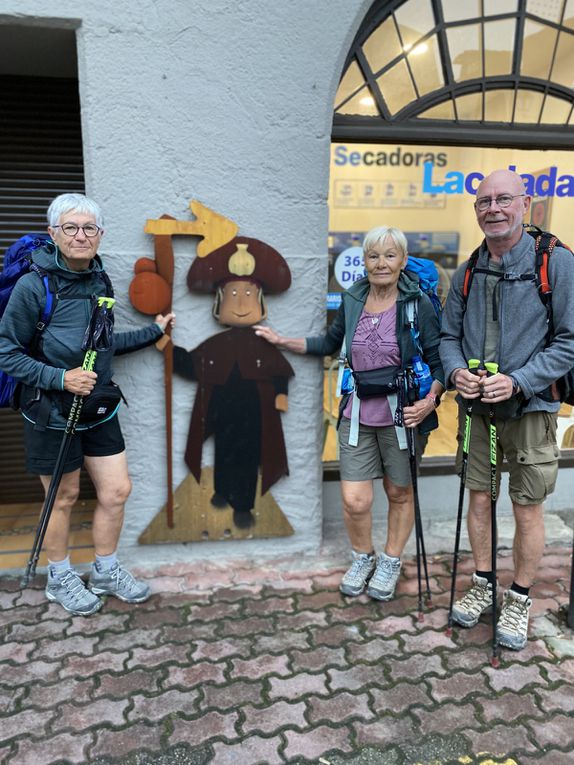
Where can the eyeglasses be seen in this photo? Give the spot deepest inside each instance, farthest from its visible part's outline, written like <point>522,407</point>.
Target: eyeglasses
<point>504,200</point>
<point>70,229</point>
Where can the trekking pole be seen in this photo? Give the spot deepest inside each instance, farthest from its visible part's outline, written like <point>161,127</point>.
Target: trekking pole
<point>411,394</point>
<point>492,369</point>
<point>94,342</point>
<point>473,365</point>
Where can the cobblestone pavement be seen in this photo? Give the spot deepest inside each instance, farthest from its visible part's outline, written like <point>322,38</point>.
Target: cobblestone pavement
<point>271,665</point>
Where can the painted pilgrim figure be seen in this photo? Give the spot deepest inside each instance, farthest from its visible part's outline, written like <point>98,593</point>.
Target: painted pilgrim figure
<point>242,379</point>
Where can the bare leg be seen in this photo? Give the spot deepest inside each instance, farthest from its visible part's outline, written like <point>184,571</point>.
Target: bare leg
<point>113,486</point>
<point>528,546</point>
<point>401,517</point>
<point>479,531</point>
<point>357,502</point>
<point>57,536</point>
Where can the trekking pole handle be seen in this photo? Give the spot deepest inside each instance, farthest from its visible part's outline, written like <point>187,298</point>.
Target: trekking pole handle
<point>473,365</point>
<point>491,368</point>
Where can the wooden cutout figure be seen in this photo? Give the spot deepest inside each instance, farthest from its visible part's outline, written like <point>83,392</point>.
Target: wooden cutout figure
<point>242,379</point>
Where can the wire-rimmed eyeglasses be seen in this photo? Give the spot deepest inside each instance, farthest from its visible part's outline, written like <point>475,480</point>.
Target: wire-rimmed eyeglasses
<point>70,229</point>
<point>503,200</point>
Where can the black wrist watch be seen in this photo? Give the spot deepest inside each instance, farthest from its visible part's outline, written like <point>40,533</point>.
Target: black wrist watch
<point>434,398</point>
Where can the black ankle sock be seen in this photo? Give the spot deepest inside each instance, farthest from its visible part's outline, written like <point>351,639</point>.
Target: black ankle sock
<point>486,575</point>
<point>520,590</point>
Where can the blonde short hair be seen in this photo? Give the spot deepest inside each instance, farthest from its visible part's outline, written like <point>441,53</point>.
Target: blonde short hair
<point>379,234</point>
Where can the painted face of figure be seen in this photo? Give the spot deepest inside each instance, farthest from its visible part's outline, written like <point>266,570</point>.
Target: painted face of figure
<point>240,304</point>
<point>384,262</point>
<point>77,237</point>
<point>501,219</point>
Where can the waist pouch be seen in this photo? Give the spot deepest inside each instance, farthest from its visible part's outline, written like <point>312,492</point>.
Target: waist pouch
<point>376,382</point>
<point>98,406</point>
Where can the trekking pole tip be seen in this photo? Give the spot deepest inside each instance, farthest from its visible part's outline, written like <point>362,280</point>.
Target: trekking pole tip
<point>448,632</point>
<point>494,662</point>
<point>421,617</point>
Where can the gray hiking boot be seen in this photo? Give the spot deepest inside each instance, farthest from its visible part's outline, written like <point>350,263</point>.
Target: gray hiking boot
<point>384,580</point>
<point>355,579</point>
<point>118,581</point>
<point>512,627</point>
<point>477,600</point>
<point>71,593</point>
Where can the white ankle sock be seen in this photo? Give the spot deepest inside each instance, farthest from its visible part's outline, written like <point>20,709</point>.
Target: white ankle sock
<point>105,562</point>
<point>58,567</point>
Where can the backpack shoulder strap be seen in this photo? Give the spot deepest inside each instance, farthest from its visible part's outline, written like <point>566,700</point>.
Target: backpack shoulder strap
<point>468,275</point>
<point>49,304</point>
<point>108,284</point>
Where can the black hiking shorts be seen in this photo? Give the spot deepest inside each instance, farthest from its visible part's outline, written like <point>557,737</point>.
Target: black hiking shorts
<point>42,447</point>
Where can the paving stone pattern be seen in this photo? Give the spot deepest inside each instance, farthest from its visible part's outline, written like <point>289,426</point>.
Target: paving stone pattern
<point>262,666</point>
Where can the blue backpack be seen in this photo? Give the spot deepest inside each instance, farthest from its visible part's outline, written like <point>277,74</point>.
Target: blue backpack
<point>17,262</point>
<point>427,272</point>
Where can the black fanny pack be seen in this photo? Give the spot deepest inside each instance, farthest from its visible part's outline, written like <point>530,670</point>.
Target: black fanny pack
<point>100,404</point>
<point>376,382</point>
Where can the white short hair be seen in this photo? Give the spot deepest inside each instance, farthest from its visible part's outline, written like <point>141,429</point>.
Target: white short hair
<point>376,235</point>
<point>65,203</point>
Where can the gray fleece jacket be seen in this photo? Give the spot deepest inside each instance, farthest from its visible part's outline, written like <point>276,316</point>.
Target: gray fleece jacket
<point>523,351</point>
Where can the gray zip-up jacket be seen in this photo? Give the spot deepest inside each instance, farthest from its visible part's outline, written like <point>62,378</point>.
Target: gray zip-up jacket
<point>523,351</point>
<point>60,346</point>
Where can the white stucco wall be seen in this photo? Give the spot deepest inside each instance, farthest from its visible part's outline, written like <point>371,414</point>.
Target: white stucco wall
<point>229,102</point>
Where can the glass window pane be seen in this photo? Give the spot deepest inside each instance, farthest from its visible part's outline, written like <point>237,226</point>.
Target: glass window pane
<point>556,111</point>
<point>537,49</point>
<point>443,111</point>
<point>362,103</point>
<point>496,7</point>
<point>351,82</point>
<point>425,63</point>
<point>382,46</point>
<point>528,105</point>
<point>568,20</point>
<point>545,9</point>
<point>499,46</point>
<point>498,105</point>
<point>454,10</point>
<point>465,51</point>
<point>397,87</point>
<point>563,71</point>
<point>469,107</point>
<point>415,19</point>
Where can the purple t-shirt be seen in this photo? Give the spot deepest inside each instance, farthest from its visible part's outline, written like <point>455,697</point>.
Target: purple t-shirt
<point>375,346</point>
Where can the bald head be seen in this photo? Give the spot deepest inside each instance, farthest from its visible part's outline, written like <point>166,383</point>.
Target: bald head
<point>501,204</point>
<point>508,179</point>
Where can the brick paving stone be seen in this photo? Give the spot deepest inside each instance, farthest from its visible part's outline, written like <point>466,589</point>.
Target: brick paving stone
<point>415,666</point>
<point>16,653</point>
<point>302,620</point>
<point>41,629</point>
<point>209,612</point>
<point>9,700</point>
<point>500,739</point>
<point>45,696</point>
<point>281,642</point>
<point>372,651</point>
<point>318,659</point>
<point>515,677</point>
<point>269,605</point>
<point>356,677</point>
<point>161,705</point>
<point>320,600</point>
<point>555,731</point>
<point>123,641</point>
<point>168,652</point>
<point>470,659</point>
<point>545,590</point>
<point>557,699</point>
<point>250,750</point>
<point>436,617</point>
<point>199,729</point>
<point>100,624</point>
<point>196,674</point>
<point>53,649</point>
<point>124,685</point>
<point>220,649</point>
<point>299,685</point>
<point>231,695</point>
<point>20,616</point>
<point>234,594</point>
<point>72,749</point>
<point>353,612</point>
<point>541,606</point>
<point>30,597</point>
<point>26,723</point>
<point>508,706</point>
<point>120,743</point>
<point>7,600</point>
<point>5,751</point>
<point>425,642</point>
<point>85,666</point>
<point>147,619</point>
<point>314,743</point>
<point>458,686</point>
<point>550,757</point>
<point>334,636</point>
<point>401,697</point>
<point>270,719</point>
<point>339,708</point>
<point>446,718</point>
<point>259,667</point>
<point>79,718</point>
<point>389,626</point>
<point>385,731</point>
<point>564,670</point>
<point>251,626</point>
<point>36,671</point>
<point>187,633</point>
<point>534,649</point>
<point>478,635</point>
